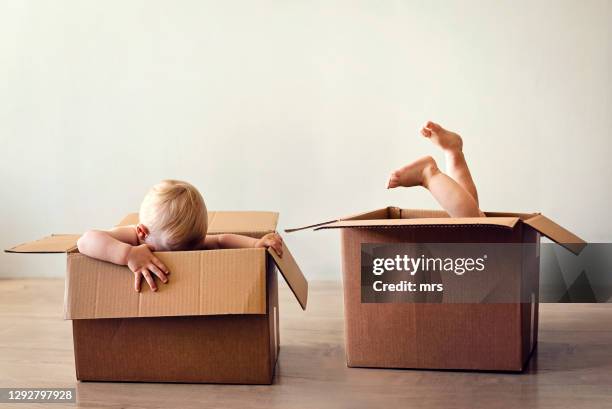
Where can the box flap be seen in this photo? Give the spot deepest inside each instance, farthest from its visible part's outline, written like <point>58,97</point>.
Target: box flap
<point>393,216</point>
<point>128,220</point>
<point>249,223</point>
<point>521,216</point>
<point>210,282</point>
<point>506,222</point>
<point>310,226</point>
<point>383,213</point>
<point>292,274</point>
<point>56,243</point>
<point>556,233</point>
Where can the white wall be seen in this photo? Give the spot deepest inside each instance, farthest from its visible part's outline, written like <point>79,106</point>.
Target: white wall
<point>297,106</point>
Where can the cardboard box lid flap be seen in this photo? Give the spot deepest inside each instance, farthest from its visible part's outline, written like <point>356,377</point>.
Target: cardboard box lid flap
<point>56,243</point>
<point>394,216</point>
<point>383,213</point>
<point>310,226</point>
<point>506,222</point>
<point>239,222</point>
<point>556,233</point>
<point>292,274</point>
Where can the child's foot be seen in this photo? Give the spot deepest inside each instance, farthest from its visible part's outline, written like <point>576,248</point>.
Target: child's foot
<point>415,174</point>
<point>447,140</point>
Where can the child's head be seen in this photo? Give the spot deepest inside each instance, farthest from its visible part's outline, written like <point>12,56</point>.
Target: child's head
<point>173,216</point>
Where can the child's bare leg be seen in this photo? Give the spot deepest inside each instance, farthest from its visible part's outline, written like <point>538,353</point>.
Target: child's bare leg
<point>452,145</point>
<point>452,197</point>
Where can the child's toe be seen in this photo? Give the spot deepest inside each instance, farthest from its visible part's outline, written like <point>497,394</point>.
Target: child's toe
<point>432,126</point>
<point>393,181</point>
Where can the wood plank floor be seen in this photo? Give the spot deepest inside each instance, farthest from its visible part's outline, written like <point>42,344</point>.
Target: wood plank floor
<point>571,369</point>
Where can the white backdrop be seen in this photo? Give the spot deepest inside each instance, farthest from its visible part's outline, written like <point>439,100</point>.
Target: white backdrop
<point>297,106</point>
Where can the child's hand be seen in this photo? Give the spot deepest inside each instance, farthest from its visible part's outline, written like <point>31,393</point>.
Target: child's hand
<point>271,240</point>
<point>142,263</point>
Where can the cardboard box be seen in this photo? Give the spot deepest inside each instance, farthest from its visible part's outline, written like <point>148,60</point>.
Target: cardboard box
<point>216,321</point>
<point>468,336</point>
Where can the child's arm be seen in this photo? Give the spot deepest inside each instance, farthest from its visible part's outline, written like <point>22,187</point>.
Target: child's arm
<point>234,241</point>
<point>120,246</point>
<point>113,245</point>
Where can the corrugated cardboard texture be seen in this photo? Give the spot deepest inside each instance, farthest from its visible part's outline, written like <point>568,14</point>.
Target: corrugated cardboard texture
<point>56,243</point>
<point>250,223</point>
<point>434,336</point>
<point>209,349</point>
<point>201,283</point>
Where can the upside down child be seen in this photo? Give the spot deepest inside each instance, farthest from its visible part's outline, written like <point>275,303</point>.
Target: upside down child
<point>455,192</point>
<point>172,217</point>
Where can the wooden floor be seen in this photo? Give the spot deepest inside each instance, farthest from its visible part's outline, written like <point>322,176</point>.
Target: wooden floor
<point>571,369</point>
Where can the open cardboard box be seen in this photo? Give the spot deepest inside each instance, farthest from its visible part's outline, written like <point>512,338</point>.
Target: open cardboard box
<point>471,336</point>
<point>216,321</point>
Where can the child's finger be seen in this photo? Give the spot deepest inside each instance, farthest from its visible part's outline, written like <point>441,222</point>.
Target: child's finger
<point>153,268</point>
<point>149,278</point>
<point>278,247</point>
<point>161,265</point>
<point>137,281</point>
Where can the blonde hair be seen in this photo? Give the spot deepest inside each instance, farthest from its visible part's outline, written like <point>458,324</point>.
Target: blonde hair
<point>175,214</point>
